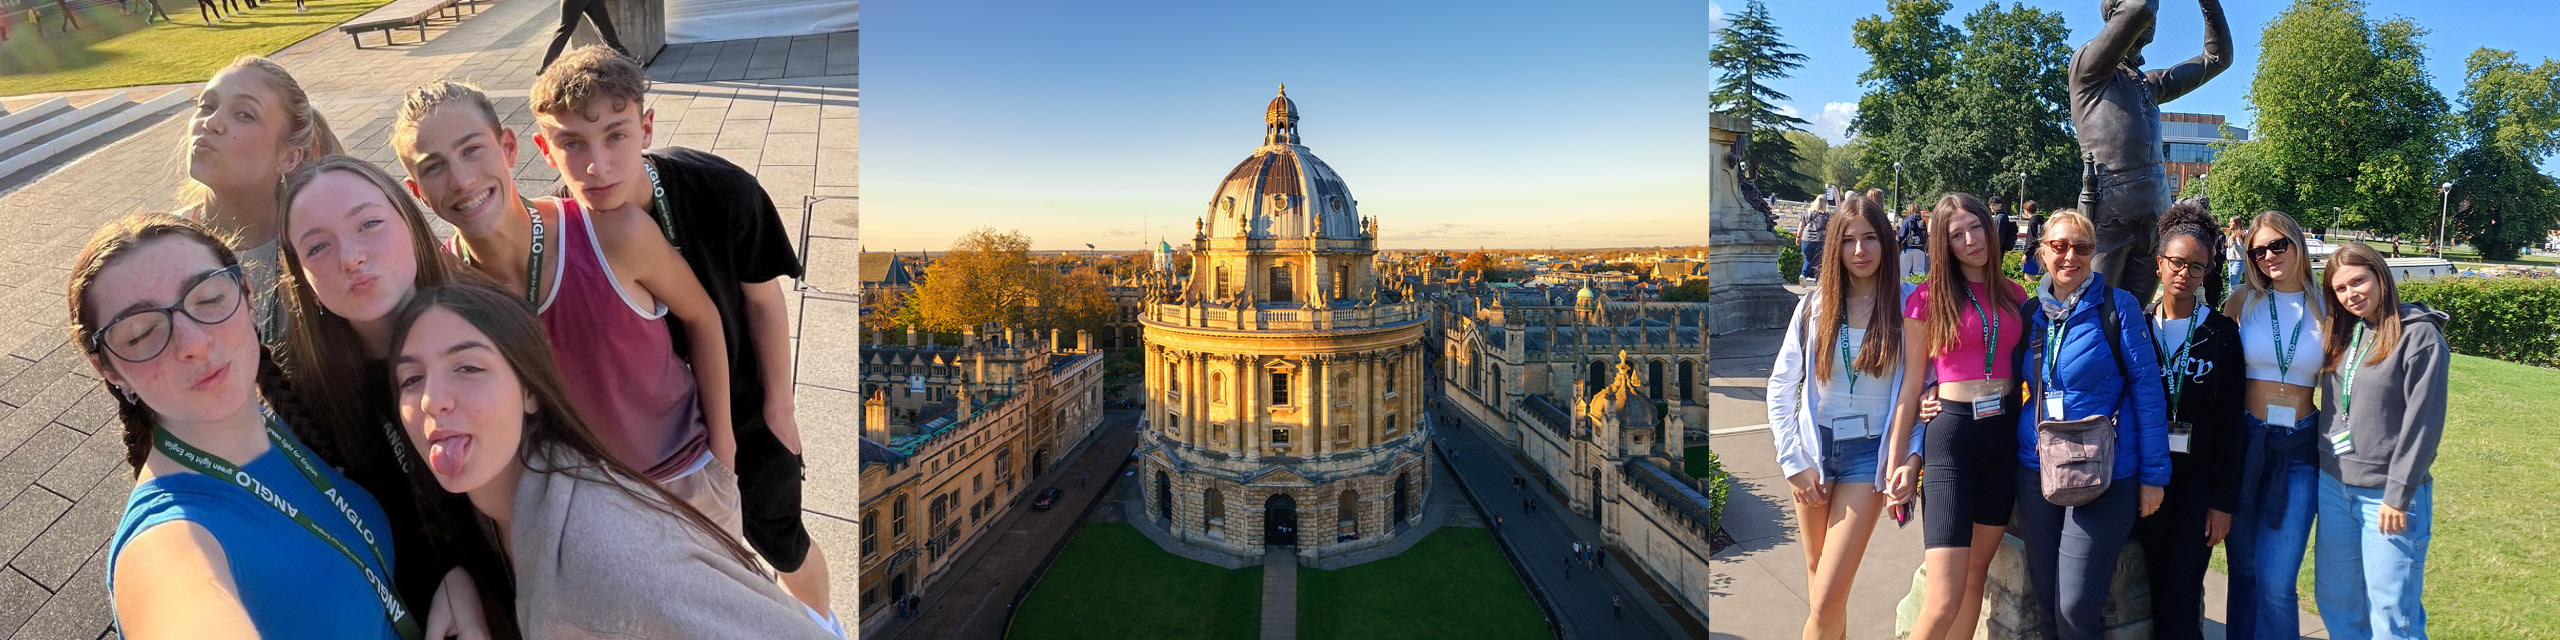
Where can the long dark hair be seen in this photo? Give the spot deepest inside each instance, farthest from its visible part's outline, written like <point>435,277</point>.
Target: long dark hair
<point>554,424</point>
<point>1946,273</point>
<point>2342,323</point>
<point>1883,343</point>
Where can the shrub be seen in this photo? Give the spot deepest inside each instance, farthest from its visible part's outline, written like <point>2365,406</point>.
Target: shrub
<point>2512,319</point>
<point>1790,258</point>
<point>1719,485</point>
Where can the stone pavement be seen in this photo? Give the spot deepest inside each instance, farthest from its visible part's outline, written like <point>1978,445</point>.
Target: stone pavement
<point>1279,594</point>
<point>1759,584</point>
<point>62,480</point>
<point>1542,542</point>
<point>973,598</point>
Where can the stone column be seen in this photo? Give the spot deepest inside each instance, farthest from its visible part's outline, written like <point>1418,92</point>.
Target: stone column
<point>1364,402</point>
<point>1316,407</point>
<point>1248,410</point>
<point>1237,438</point>
<point>1742,261</point>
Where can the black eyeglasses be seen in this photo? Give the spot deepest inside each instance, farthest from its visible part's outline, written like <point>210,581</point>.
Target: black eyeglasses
<point>2184,266</point>
<point>141,334</point>
<point>2278,247</point>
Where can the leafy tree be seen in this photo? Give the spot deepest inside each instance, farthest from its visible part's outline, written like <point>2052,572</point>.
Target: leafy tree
<point>1476,261</point>
<point>1695,290</point>
<point>989,277</point>
<point>1751,53</point>
<point>2350,130</point>
<point>1811,151</point>
<point>2509,123</point>
<point>1840,165</point>
<point>1967,110</point>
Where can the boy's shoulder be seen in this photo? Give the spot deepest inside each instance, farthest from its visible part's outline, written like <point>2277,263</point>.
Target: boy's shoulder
<point>703,164</point>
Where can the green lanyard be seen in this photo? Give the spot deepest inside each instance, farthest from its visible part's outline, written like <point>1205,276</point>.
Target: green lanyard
<point>1849,359</point>
<point>533,264</point>
<point>2053,335</point>
<point>2175,362</point>
<point>2347,372</point>
<point>1990,330</point>
<point>2284,359</point>
<point>214,466</point>
<point>665,213</point>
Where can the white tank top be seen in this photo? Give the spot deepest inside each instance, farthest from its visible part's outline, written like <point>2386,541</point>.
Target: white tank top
<point>2267,327</point>
<point>1872,396</point>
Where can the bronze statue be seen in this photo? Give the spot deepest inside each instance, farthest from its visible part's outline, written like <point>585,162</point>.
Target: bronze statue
<point>2116,107</point>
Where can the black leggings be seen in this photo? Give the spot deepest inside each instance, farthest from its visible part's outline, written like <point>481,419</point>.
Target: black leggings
<point>570,11</point>
<point>1967,473</point>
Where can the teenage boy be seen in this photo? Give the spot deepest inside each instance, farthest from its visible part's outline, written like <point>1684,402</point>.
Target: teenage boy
<point>725,226</point>
<point>589,279</point>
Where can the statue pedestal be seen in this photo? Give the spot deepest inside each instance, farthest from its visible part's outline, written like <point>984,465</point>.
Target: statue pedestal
<point>1744,289</point>
<point>640,24</point>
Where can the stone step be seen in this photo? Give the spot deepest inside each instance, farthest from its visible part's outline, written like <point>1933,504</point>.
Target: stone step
<point>78,127</point>
<point>31,115</point>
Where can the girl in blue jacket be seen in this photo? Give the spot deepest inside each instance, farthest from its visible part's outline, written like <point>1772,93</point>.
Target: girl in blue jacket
<point>2075,371</point>
<point>1830,396</point>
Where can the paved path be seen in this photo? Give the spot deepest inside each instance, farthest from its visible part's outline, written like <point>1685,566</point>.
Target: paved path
<point>1543,540</point>
<point>1758,586</point>
<point>1280,594</point>
<point>970,599</point>
<point>62,479</point>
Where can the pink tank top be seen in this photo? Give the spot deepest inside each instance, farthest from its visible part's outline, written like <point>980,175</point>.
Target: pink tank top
<point>1965,362</point>
<point>620,363</point>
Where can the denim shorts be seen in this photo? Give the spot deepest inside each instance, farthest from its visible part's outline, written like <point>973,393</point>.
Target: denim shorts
<point>1850,460</point>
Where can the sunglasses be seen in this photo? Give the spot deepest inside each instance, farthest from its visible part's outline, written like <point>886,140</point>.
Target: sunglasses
<point>2067,247</point>
<point>2277,248</point>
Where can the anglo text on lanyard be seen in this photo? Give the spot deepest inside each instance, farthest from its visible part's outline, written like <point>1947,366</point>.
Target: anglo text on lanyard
<point>2280,412</point>
<point>533,260</point>
<point>2173,372</point>
<point>214,466</point>
<point>665,213</point>
<point>2340,443</point>
<point>1986,406</point>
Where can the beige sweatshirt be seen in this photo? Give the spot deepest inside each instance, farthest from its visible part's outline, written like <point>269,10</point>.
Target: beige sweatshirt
<point>592,561</point>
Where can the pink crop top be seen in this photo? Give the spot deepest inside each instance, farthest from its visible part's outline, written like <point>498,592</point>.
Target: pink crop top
<point>1965,362</point>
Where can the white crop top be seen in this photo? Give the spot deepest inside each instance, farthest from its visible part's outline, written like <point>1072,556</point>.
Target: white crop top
<point>2262,338</point>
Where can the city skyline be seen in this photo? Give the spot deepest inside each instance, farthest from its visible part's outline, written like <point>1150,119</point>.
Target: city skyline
<point>1452,129</point>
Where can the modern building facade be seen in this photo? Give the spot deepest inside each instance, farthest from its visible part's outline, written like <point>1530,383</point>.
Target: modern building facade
<point>2186,144</point>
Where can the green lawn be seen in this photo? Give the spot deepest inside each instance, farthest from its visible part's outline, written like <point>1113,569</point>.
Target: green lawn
<point>2489,563</point>
<point>1452,584</point>
<point>112,50</point>
<point>1112,583</point>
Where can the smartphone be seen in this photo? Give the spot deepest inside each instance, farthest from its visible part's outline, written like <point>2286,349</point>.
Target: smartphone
<point>1902,516</point>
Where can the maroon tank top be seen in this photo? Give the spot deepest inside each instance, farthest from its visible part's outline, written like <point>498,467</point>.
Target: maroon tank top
<point>620,364</point>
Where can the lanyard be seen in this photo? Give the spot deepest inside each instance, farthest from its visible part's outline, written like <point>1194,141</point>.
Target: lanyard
<point>2053,334</point>
<point>533,263</point>
<point>664,213</point>
<point>1849,359</point>
<point>2284,359</point>
<point>1990,330</point>
<point>2176,361</point>
<point>2347,387</point>
<point>214,466</point>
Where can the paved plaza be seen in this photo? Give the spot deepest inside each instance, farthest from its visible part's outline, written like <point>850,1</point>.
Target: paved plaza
<point>784,108</point>
<point>1759,582</point>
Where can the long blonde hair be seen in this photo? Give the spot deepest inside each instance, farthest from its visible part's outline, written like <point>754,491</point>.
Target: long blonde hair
<point>2255,285</point>
<point>305,131</point>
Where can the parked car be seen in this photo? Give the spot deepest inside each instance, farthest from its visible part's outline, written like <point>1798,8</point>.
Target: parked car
<point>1048,498</point>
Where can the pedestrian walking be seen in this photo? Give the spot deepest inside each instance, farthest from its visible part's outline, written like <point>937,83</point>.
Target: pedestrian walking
<point>570,11</point>
<point>1617,608</point>
<point>1603,558</point>
<point>1568,567</point>
<point>1497,523</point>
<point>1524,504</point>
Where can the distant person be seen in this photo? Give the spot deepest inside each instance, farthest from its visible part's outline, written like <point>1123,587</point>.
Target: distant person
<point>1809,239</point>
<point>2032,264</point>
<point>69,20</point>
<point>210,11</point>
<point>570,11</point>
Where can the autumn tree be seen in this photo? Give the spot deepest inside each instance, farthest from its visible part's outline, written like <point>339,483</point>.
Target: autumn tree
<point>990,277</point>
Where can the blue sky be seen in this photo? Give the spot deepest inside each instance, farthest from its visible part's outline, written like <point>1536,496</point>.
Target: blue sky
<point>1456,124</point>
<point>1826,90</point>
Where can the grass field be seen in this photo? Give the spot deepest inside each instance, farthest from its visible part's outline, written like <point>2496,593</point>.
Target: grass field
<point>2489,563</point>
<point>113,50</point>
<point>1452,584</point>
<point>1112,583</point>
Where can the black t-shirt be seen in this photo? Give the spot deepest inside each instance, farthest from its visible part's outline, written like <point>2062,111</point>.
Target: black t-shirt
<point>728,231</point>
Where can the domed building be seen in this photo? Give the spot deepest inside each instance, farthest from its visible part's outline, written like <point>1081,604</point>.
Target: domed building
<point>1285,387</point>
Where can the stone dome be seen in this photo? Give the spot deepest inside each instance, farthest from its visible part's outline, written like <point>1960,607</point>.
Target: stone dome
<point>1282,190</point>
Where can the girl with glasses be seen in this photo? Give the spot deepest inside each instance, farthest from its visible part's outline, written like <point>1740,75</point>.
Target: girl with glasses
<point>2278,471</point>
<point>2200,367</point>
<point>1828,427</point>
<point>1963,324</point>
<point>238,525</point>
<point>2386,369</point>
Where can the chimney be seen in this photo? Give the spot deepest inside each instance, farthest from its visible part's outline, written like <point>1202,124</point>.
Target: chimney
<point>875,417</point>
<point>1053,339</point>
<point>875,337</point>
<point>969,337</point>
<point>1084,341</point>
<point>911,336</point>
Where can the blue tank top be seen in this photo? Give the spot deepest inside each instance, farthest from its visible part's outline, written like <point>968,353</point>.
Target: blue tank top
<point>292,584</point>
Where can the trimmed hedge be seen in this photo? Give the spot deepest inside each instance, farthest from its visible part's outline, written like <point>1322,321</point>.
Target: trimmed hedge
<point>1790,258</point>
<point>1719,486</point>
<point>2512,319</point>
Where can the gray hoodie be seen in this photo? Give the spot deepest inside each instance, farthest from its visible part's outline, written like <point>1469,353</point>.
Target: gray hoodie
<point>2398,414</point>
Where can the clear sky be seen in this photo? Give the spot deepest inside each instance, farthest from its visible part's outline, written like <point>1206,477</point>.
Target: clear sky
<point>1455,123</point>
<point>1826,90</point>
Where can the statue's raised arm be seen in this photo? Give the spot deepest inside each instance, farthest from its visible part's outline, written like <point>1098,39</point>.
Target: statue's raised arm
<point>2168,84</point>
<point>2117,44</point>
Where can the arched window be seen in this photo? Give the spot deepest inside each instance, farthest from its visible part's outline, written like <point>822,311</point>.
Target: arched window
<point>1280,286</point>
<point>1172,378</point>
<point>1688,382</point>
<point>1653,379</point>
<point>871,532</point>
<point>1217,387</point>
<point>1599,376</point>
<point>1164,497</point>
<point>1391,376</point>
<point>1347,512</point>
<point>898,518</point>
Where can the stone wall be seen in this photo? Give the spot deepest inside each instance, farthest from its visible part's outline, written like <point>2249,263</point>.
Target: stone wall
<point>2009,607</point>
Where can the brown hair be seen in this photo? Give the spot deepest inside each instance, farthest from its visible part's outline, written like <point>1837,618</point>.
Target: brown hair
<point>131,233</point>
<point>423,100</point>
<point>555,423</point>
<point>305,131</point>
<point>587,74</point>
<point>1883,343</point>
<point>1946,273</point>
<point>2384,318</point>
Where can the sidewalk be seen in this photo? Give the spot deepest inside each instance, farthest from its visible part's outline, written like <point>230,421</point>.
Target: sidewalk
<point>1759,586</point>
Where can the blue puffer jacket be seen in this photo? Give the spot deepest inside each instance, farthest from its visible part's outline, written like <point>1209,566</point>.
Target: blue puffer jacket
<point>2089,385</point>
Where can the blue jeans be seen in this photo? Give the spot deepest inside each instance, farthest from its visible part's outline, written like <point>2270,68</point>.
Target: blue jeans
<point>2370,583</point>
<point>2266,555</point>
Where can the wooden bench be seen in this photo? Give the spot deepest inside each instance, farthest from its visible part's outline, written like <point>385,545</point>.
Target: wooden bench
<point>403,14</point>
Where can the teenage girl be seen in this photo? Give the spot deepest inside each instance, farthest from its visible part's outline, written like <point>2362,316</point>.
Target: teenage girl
<point>2386,376</point>
<point>252,126</point>
<point>2200,367</point>
<point>2279,475</point>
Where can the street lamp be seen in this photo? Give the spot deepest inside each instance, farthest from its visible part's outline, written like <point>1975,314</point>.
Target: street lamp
<point>1897,187</point>
<point>2442,209</point>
